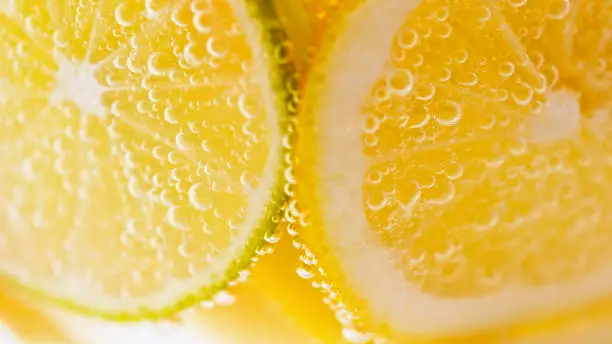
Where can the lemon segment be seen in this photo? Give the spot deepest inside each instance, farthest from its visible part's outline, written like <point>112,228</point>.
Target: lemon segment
<point>141,145</point>
<point>453,168</point>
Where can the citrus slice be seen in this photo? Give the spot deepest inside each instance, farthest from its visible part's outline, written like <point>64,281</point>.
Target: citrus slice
<point>141,147</point>
<point>453,164</point>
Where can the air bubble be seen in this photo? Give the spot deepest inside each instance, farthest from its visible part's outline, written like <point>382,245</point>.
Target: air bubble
<point>223,298</point>
<point>194,54</point>
<point>272,238</point>
<point>377,203</point>
<point>216,48</point>
<point>178,218</point>
<point>517,3</point>
<point>371,124</point>
<point>558,9</point>
<point>453,170</point>
<point>506,69</point>
<point>408,38</point>
<point>304,272</point>
<point>201,21</point>
<point>158,63</point>
<point>401,82</point>
<point>523,95</point>
<point>169,116</point>
<point>197,198</point>
<point>61,38</point>
<point>122,15</point>
<point>355,337</point>
<point>448,113</point>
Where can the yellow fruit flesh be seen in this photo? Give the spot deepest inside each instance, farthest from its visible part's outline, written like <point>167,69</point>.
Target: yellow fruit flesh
<point>486,153</point>
<point>137,135</point>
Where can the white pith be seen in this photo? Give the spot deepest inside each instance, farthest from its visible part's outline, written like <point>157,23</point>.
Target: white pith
<point>76,83</point>
<point>354,65</point>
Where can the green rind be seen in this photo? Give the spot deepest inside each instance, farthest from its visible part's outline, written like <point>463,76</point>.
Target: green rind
<point>283,79</point>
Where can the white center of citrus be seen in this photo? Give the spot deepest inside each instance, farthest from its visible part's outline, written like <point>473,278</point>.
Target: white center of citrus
<point>76,82</point>
<point>559,120</point>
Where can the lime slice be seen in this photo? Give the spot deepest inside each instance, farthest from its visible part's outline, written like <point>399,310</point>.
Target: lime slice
<point>453,169</point>
<point>142,148</point>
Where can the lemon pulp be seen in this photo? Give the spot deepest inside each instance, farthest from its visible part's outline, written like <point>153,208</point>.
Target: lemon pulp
<point>141,145</point>
<point>453,168</point>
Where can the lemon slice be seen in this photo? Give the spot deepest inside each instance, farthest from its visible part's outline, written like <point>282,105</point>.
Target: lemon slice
<point>453,168</point>
<point>141,147</point>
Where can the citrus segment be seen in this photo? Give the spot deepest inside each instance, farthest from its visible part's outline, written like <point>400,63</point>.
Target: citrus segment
<point>142,147</point>
<point>453,163</point>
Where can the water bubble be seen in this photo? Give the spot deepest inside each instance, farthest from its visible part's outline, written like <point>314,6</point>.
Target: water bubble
<point>202,20</point>
<point>401,82</point>
<point>448,113</point>
<point>304,272</point>
<point>159,63</point>
<point>517,3</point>
<point>467,79</point>
<point>425,92</point>
<point>523,95</point>
<point>371,123</point>
<point>123,17</point>
<point>194,53</point>
<point>169,116</point>
<point>223,298</point>
<point>370,140</point>
<point>272,238</point>
<point>216,48</point>
<point>460,56</point>
<point>558,9</point>
<point>355,337</point>
<point>376,202</point>
<point>374,177</point>
<point>178,217</point>
<point>486,14</point>
<point>179,16</point>
<point>61,38</point>
<point>453,170</point>
<point>407,38</point>
<point>487,221</point>
<point>247,106</point>
<point>441,14</point>
<point>506,69</point>
<point>518,146</point>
